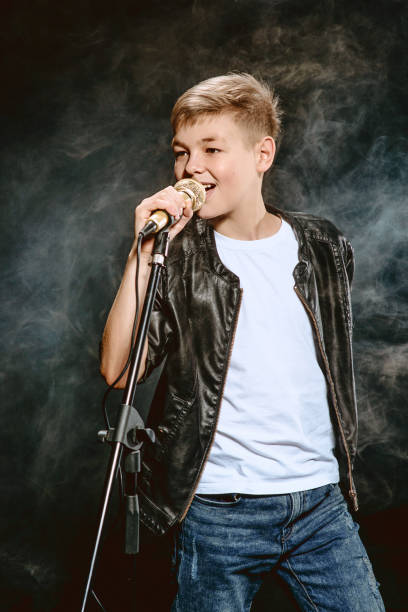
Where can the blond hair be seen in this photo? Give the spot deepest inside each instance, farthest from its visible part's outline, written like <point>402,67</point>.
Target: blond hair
<point>252,102</point>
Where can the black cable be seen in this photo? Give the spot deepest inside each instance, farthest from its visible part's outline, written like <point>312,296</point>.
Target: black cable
<point>125,368</point>
<point>132,341</point>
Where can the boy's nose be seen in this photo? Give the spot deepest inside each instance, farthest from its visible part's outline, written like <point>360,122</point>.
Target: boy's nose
<point>194,165</point>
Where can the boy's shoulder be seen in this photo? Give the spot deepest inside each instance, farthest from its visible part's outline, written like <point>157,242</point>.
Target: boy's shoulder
<point>314,226</point>
<point>317,230</point>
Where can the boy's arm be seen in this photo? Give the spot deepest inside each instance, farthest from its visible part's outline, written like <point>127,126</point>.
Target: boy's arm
<point>118,329</point>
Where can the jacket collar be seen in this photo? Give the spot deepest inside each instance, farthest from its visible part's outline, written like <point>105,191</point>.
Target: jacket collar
<point>303,273</point>
<point>207,241</point>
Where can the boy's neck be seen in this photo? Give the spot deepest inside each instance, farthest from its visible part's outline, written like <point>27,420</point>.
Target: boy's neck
<point>253,223</point>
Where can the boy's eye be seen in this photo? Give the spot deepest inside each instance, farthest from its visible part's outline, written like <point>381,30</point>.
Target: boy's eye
<point>179,153</point>
<point>212,150</point>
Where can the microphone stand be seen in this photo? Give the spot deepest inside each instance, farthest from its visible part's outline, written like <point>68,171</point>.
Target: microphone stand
<point>130,432</point>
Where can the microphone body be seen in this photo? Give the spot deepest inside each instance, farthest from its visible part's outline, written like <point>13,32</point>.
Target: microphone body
<point>192,191</point>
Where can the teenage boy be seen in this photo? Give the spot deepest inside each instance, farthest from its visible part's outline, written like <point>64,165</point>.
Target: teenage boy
<point>257,422</point>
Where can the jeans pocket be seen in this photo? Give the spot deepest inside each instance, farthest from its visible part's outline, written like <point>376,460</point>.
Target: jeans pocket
<point>219,500</point>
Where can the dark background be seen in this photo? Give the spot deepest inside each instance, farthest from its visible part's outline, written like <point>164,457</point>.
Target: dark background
<point>86,92</point>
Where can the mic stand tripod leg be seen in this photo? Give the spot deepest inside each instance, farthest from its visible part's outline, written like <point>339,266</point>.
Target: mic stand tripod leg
<point>130,421</point>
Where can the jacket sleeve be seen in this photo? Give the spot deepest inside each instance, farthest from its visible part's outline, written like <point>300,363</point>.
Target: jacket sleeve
<point>160,332</point>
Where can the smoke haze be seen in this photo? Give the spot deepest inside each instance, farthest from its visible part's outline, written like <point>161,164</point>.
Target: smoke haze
<point>86,135</point>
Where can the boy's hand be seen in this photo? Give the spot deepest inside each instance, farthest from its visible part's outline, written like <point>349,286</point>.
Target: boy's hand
<point>167,199</point>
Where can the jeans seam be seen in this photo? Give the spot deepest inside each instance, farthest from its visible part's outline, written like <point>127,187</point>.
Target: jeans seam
<point>292,571</point>
<point>291,512</point>
<point>286,529</point>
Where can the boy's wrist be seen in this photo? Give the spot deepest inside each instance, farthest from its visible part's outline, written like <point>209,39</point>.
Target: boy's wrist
<point>145,258</point>
<point>133,251</point>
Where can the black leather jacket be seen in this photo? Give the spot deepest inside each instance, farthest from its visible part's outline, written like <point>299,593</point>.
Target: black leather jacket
<point>193,324</point>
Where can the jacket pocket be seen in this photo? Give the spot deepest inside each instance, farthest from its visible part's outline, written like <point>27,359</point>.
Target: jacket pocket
<point>177,409</point>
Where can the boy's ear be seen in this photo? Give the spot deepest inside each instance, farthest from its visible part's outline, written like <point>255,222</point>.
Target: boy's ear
<point>266,150</point>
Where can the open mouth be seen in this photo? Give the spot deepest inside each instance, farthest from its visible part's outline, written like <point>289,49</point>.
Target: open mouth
<point>208,186</point>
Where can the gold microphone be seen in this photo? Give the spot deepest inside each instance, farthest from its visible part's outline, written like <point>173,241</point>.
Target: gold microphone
<point>192,191</point>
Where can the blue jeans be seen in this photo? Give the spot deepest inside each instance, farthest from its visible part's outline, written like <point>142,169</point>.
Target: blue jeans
<point>226,546</point>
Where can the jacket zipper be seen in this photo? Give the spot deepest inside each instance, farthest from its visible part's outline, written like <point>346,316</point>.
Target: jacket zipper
<point>219,403</point>
<point>352,493</point>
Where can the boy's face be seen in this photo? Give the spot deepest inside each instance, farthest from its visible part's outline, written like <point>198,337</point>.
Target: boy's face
<point>216,152</point>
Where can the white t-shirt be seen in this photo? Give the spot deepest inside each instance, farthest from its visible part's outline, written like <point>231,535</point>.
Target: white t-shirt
<point>274,433</point>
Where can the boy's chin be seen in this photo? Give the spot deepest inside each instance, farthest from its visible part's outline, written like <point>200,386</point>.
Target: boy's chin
<point>210,211</point>
<point>210,216</point>
<point>204,213</point>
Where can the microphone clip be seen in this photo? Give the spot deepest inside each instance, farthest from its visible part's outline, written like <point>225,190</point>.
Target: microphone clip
<point>160,249</point>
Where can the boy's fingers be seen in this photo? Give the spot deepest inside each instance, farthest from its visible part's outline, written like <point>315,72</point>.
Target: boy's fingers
<point>147,207</point>
<point>167,199</point>
<point>171,201</point>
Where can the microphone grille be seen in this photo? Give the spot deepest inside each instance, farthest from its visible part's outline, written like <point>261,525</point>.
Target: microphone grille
<point>192,188</point>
